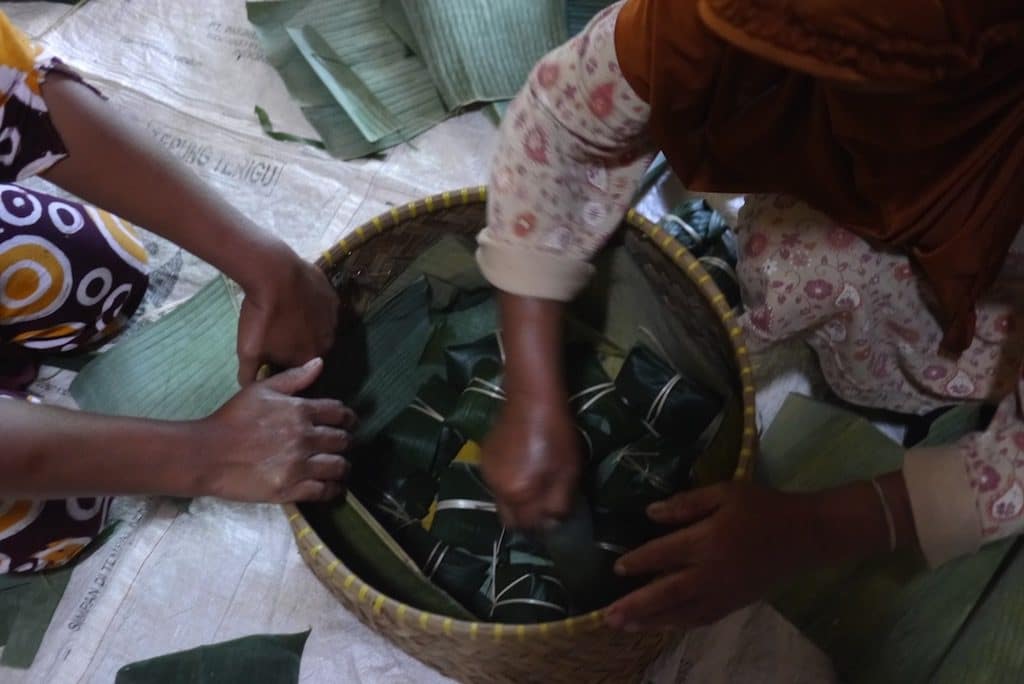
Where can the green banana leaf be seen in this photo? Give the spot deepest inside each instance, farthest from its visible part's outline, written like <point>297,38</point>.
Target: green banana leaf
<point>259,658</point>
<point>283,136</point>
<point>480,358</point>
<point>889,619</point>
<point>338,132</point>
<point>450,259</point>
<point>341,133</point>
<point>580,12</point>
<point>181,367</point>
<point>402,499</point>
<point>374,365</point>
<point>483,51</point>
<point>27,604</point>
<point>366,67</point>
<point>990,648</point>
<point>28,601</point>
<point>461,326</point>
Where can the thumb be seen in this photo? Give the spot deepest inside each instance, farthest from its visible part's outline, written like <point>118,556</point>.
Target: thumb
<point>250,342</point>
<point>686,507</point>
<point>295,380</point>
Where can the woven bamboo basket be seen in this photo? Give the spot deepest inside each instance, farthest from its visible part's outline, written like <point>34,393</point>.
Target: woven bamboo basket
<point>579,649</point>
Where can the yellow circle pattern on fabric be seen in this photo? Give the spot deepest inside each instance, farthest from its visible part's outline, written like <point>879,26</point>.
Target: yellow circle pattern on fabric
<point>35,278</point>
<point>122,238</point>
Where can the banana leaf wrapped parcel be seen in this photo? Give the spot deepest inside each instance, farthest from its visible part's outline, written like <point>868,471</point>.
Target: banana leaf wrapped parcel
<point>662,396</point>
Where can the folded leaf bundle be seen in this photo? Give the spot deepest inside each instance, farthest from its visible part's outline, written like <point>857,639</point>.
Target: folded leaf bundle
<point>466,515</point>
<point>528,594</point>
<point>634,476</point>
<point>604,420</point>
<point>411,439</point>
<point>676,408</point>
<point>462,575</point>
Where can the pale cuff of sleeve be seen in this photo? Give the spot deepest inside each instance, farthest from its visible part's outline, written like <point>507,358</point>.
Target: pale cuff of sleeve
<point>943,502</point>
<point>530,272</point>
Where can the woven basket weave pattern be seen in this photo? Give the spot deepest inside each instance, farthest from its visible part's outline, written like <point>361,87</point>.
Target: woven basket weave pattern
<point>578,649</point>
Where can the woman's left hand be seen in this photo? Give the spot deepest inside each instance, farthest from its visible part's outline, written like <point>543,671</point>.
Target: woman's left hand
<point>290,310</point>
<point>288,318</point>
<point>736,541</point>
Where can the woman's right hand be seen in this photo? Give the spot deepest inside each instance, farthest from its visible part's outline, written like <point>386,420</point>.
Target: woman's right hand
<point>268,445</point>
<point>531,461</point>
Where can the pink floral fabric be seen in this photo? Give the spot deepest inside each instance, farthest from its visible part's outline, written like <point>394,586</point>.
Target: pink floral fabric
<point>995,465</point>
<point>572,150</point>
<point>866,314</point>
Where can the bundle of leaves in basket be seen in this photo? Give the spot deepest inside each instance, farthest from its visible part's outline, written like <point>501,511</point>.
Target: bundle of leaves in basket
<point>418,471</point>
<point>416,549</point>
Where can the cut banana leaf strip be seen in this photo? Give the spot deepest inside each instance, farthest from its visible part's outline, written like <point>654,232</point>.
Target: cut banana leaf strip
<point>281,136</point>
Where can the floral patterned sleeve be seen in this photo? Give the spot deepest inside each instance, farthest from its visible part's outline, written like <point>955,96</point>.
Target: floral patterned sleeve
<point>970,493</point>
<point>573,148</point>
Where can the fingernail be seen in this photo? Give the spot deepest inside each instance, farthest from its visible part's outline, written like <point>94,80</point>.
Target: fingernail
<point>620,568</point>
<point>313,362</point>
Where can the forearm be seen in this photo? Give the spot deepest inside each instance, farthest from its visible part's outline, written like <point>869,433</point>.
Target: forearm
<point>849,523</point>
<point>51,452</point>
<point>116,167</point>
<point>563,174</point>
<point>532,339</point>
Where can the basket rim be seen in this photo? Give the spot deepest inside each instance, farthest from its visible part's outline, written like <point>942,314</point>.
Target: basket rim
<point>333,572</point>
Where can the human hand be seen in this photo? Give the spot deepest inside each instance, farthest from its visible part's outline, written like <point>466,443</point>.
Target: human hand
<point>290,316</point>
<point>735,543</point>
<point>531,461</point>
<point>267,445</point>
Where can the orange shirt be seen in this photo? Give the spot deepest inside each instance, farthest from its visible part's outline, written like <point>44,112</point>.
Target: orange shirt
<point>902,119</point>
